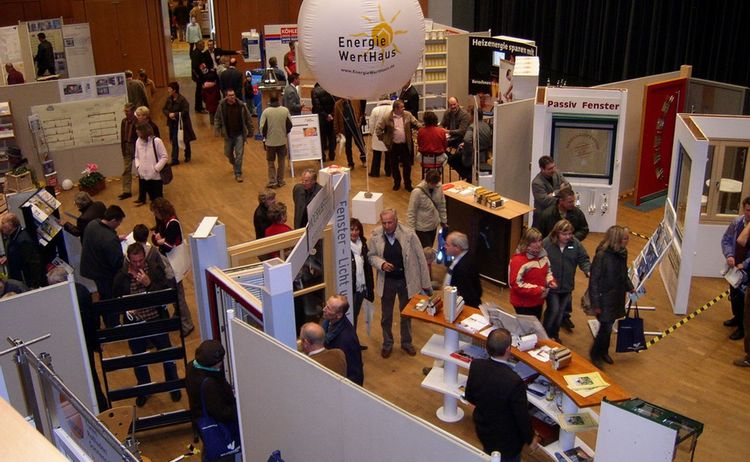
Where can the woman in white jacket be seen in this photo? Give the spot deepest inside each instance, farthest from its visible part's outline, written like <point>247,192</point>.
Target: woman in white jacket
<point>150,159</point>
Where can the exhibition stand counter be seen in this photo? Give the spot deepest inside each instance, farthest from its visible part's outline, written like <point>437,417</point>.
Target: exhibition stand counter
<point>448,381</point>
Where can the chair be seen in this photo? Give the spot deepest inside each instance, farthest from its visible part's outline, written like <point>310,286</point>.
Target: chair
<point>432,162</point>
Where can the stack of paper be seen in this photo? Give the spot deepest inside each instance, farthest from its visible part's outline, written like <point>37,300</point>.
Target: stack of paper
<point>586,384</point>
<point>474,323</point>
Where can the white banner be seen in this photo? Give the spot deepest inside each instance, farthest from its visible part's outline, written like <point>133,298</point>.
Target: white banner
<point>78,50</point>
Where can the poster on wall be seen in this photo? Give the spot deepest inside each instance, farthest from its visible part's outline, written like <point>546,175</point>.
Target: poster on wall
<point>304,138</point>
<point>10,52</point>
<point>74,124</point>
<point>78,51</point>
<point>276,41</point>
<point>52,29</point>
<point>96,86</point>
<point>662,102</point>
<point>251,46</point>
<point>491,65</point>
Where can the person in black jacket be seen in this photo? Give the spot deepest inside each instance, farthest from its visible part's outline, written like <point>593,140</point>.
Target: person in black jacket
<point>361,269</point>
<point>565,208</point>
<point>340,334</point>
<point>205,374</point>
<point>196,59</point>
<point>322,104</point>
<point>261,220</point>
<point>501,415</point>
<point>410,96</point>
<point>45,56</point>
<point>89,209</point>
<point>462,274</point>
<point>607,288</point>
<point>23,255</point>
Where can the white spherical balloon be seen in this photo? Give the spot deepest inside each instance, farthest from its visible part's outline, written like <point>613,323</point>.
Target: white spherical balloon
<point>67,184</point>
<point>361,49</point>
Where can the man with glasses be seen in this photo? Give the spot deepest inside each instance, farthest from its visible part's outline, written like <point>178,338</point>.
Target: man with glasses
<point>302,194</point>
<point>234,123</point>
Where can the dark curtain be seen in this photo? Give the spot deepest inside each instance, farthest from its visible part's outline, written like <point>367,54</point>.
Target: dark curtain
<point>591,42</point>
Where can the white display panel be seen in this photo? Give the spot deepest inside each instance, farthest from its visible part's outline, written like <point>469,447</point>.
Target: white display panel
<point>290,403</point>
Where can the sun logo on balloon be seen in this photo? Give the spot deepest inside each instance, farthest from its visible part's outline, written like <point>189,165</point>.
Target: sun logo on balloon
<point>382,32</point>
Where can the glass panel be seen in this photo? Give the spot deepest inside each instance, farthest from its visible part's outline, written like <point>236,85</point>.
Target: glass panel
<point>730,184</point>
<point>584,148</point>
<point>706,196</point>
<point>309,307</point>
<point>681,194</point>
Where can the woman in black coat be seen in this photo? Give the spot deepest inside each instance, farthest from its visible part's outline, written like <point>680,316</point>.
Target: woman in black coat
<point>363,287</point>
<point>177,110</point>
<point>607,288</point>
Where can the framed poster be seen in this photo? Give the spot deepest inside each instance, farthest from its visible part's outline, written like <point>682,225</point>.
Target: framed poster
<point>584,147</point>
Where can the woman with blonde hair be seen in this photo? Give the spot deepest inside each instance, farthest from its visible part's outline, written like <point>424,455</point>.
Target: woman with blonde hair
<point>530,275</point>
<point>607,288</point>
<point>565,253</point>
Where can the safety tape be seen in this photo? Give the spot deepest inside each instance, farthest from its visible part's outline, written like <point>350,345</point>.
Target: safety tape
<point>642,236</point>
<point>687,318</point>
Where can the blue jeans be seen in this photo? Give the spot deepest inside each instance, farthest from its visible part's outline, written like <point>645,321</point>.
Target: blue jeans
<point>176,146</point>
<point>234,149</point>
<point>556,302</point>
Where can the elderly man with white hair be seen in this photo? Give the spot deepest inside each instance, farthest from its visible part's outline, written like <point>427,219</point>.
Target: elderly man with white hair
<point>462,273</point>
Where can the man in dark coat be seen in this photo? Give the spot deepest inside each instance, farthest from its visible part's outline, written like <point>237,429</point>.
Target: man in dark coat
<point>45,56</point>
<point>340,334</point>
<point>501,415</point>
<point>23,255</point>
<point>564,208</point>
<point>196,59</point>
<point>410,96</point>
<point>302,194</point>
<point>101,255</point>
<point>462,274</point>
<point>322,104</point>
<point>231,79</point>
<point>206,385</point>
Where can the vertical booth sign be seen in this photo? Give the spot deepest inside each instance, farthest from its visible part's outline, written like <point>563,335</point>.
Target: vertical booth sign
<point>661,103</point>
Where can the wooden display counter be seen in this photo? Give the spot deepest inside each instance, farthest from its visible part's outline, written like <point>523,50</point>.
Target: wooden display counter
<point>449,382</point>
<point>493,233</point>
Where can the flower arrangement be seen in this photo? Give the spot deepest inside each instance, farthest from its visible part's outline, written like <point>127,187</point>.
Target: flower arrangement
<point>91,180</point>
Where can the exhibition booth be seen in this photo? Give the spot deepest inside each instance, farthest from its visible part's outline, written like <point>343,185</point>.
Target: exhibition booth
<point>607,140</point>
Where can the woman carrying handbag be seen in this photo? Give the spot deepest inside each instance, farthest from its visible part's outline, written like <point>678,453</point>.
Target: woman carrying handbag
<point>608,286</point>
<point>150,160</point>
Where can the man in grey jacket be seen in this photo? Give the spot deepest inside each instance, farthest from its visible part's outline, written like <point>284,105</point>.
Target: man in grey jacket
<point>545,186</point>
<point>234,123</point>
<point>291,95</point>
<point>397,255</point>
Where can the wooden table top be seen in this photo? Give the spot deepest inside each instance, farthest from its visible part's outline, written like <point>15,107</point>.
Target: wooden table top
<point>510,210</point>
<point>578,364</point>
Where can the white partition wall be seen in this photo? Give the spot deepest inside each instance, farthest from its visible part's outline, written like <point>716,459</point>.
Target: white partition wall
<point>49,310</point>
<point>288,402</point>
<point>583,129</point>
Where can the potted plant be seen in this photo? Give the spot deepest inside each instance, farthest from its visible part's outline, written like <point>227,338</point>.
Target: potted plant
<point>92,181</point>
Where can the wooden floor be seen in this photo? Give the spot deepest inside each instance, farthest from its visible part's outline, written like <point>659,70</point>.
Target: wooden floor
<point>689,371</point>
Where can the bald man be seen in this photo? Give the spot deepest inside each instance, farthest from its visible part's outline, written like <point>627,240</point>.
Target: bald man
<point>455,120</point>
<point>312,337</point>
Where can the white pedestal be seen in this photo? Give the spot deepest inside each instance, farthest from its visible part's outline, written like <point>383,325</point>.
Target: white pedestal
<point>367,210</point>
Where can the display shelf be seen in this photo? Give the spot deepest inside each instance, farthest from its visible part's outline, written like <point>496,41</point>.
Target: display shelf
<point>552,448</point>
<point>434,349</point>
<point>435,381</point>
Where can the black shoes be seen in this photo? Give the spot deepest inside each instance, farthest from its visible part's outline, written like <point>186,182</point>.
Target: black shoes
<point>124,196</point>
<point>409,188</point>
<point>734,322</point>
<point>175,395</point>
<point>739,334</point>
<point>607,358</point>
<point>141,400</point>
<point>567,324</point>
<point>175,162</point>
<point>396,187</point>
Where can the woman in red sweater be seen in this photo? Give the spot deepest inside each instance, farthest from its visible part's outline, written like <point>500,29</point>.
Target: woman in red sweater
<point>277,215</point>
<point>432,140</point>
<point>530,275</point>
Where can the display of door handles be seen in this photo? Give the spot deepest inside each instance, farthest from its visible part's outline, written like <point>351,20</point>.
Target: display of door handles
<point>605,203</point>
<point>578,200</point>
<point>592,203</point>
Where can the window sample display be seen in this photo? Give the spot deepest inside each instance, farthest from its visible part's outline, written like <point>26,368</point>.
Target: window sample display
<point>684,163</point>
<point>584,147</point>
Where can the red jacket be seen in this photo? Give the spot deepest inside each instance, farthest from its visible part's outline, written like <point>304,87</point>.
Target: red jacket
<point>431,140</point>
<point>528,279</point>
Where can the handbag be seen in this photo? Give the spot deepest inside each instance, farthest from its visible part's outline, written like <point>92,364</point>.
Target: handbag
<point>180,132</point>
<point>219,439</point>
<point>630,336</point>
<point>166,172</point>
<point>178,257</point>
<point>586,304</point>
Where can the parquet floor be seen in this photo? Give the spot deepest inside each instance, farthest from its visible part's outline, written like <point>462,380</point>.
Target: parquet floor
<point>689,372</point>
